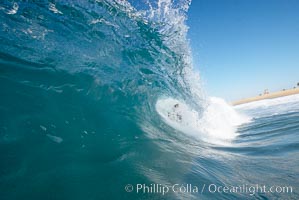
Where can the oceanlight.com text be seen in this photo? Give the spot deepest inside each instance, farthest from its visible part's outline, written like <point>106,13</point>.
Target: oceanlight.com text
<point>249,189</point>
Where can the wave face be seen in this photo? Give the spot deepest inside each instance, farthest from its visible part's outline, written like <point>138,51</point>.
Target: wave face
<point>88,93</point>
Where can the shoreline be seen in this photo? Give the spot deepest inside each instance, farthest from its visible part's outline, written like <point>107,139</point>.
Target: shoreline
<point>271,95</point>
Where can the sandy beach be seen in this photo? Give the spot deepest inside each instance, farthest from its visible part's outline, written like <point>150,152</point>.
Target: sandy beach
<point>268,96</point>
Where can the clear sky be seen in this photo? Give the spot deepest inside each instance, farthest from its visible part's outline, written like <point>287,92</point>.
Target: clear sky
<point>242,47</point>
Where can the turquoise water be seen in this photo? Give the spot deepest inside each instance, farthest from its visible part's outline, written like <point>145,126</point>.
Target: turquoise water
<point>87,92</point>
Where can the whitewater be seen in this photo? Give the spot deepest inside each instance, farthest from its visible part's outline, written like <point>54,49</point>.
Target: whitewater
<point>100,97</point>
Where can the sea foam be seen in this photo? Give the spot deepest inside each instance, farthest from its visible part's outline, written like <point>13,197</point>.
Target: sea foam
<point>218,122</point>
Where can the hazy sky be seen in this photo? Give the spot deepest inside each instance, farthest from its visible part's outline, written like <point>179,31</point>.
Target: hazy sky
<point>242,47</point>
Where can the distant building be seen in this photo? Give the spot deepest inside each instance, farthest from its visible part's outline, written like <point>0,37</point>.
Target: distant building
<point>266,91</point>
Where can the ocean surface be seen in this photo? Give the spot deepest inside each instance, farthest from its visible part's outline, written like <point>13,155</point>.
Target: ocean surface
<point>100,100</point>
